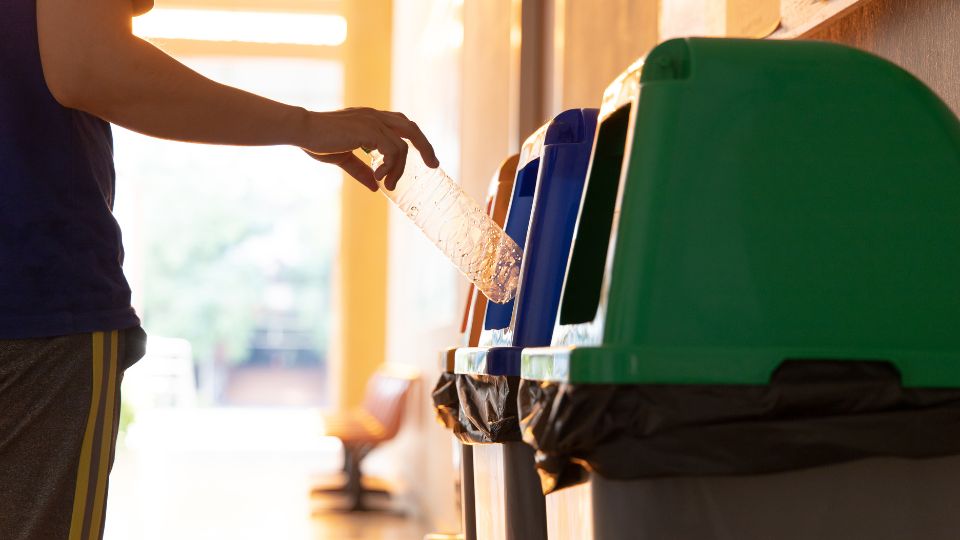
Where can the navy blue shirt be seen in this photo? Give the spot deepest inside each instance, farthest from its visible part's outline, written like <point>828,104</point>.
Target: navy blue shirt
<point>60,247</point>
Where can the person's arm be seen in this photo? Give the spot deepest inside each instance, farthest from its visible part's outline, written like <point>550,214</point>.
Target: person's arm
<point>93,62</point>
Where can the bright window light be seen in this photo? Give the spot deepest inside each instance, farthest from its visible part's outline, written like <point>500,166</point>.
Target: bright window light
<point>242,26</point>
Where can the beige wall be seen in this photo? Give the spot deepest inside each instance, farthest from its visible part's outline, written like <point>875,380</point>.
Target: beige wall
<point>491,64</point>
<point>456,73</point>
<point>590,43</point>
<point>527,60</point>
<point>425,291</point>
<point>922,36</point>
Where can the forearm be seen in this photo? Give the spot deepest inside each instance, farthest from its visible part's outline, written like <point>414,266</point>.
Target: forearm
<point>147,91</point>
<point>129,82</point>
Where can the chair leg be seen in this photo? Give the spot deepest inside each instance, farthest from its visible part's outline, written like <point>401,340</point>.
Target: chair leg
<point>353,488</point>
<point>355,483</point>
<point>346,458</point>
<point>350,455</point>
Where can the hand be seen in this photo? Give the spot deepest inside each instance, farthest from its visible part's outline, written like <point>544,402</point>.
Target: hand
<point>331,137</point>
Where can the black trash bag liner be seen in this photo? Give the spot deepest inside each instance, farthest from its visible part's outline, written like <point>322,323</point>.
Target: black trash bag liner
<point>488,409</point>
<point>813,413</point>
<point>446,403</point>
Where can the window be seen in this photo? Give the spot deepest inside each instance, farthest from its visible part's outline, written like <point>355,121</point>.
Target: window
<point>232,248</point>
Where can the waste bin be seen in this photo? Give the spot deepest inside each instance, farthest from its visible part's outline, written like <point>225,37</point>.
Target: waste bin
<point>770,347</point>
<point>445,400</point>
<point>568,509</point>
<point>543,210</point>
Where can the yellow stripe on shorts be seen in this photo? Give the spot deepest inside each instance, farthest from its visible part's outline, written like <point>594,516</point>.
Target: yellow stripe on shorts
<point>90,492</point>
<point>106,443</point>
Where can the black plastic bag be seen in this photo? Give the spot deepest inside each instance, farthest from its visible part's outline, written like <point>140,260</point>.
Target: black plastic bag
<point>446,403</point>
<point>812,413</point>
<point>488,409</point>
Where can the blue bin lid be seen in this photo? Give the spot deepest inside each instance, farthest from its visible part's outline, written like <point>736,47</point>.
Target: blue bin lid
<point>563,169</point>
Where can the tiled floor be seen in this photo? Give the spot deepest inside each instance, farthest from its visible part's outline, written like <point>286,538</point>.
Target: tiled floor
<point>237,474</point>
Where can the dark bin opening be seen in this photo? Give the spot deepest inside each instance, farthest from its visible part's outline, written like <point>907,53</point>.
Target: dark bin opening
<point>581,294</point>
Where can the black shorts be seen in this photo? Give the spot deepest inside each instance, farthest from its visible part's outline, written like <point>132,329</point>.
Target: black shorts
<point>59,415</point>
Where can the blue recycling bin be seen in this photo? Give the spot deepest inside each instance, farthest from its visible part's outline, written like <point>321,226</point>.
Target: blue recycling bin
<point>543,210</point>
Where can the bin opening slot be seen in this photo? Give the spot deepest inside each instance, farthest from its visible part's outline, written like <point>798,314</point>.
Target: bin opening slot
<point>518,221</point>
<point>834,371</point>
<point>581,293</point>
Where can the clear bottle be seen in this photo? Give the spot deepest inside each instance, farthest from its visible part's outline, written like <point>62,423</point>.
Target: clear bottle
<point>470,238</point>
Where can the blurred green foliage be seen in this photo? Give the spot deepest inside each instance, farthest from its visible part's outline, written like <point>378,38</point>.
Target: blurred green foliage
<point>219,227</point>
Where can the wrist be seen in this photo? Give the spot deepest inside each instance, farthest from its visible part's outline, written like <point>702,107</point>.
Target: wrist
<point>296,127</point>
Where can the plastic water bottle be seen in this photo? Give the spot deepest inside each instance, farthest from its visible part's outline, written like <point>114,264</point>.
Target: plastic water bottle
<point>470,238</point>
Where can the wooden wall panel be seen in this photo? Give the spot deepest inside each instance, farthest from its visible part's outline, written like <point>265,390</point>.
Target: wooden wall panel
<point>490,91</point>
<point>922,36</point>
<point>594,40</point>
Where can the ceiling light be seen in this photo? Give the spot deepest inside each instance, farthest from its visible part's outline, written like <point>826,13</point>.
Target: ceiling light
<point>242,26</point>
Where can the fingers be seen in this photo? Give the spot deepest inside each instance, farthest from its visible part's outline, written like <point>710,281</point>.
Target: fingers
<point>411,131</point>
<point>352,165</point>
<point>388,132</point>
<point>397,166</point>
<point>359,170</point>
<point>394,151</point>
<point>390,182</point>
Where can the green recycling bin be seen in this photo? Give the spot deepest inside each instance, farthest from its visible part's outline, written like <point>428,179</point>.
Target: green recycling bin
<point>767,318</point>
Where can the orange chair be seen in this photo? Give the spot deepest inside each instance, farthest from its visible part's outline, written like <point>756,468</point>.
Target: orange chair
<point>362,429</point>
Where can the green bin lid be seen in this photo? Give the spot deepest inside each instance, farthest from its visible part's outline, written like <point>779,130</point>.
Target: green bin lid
<point>781,200</point>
